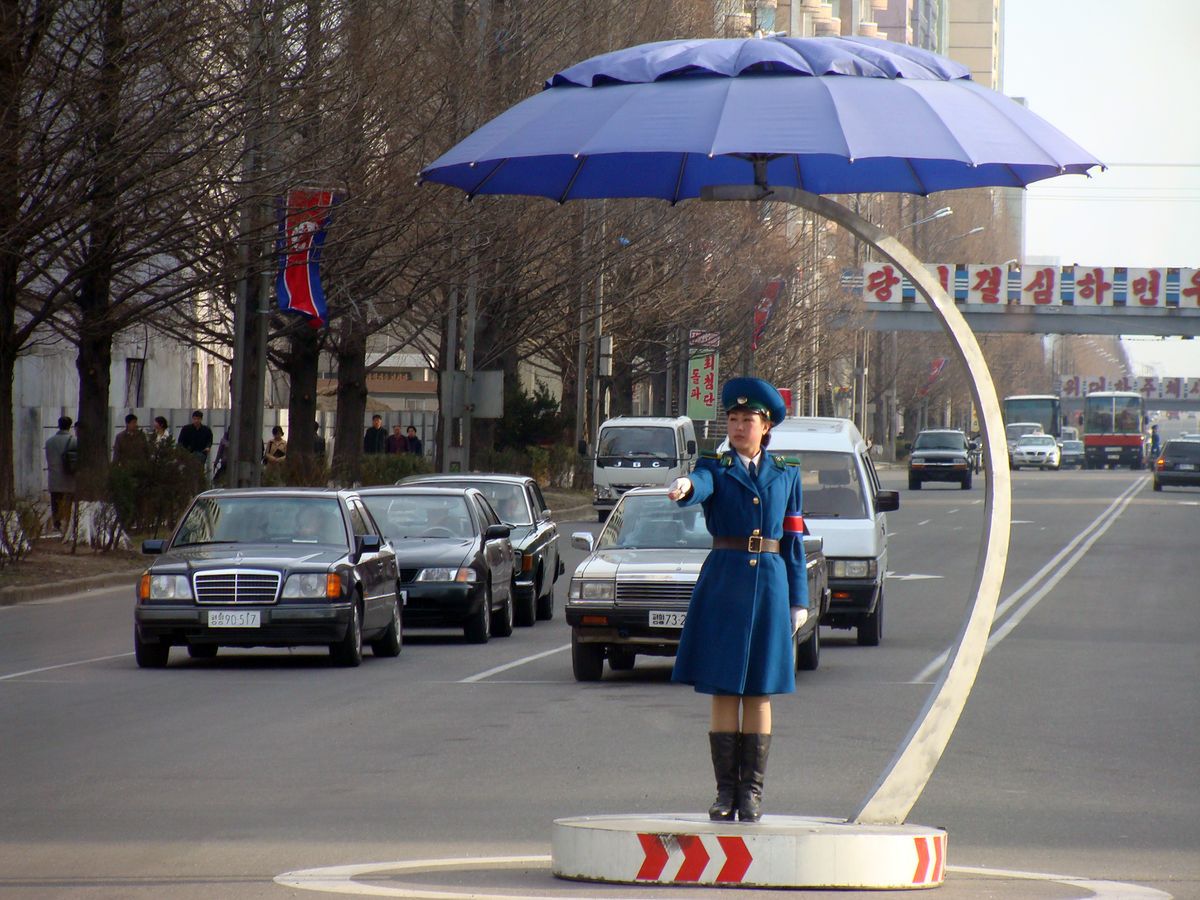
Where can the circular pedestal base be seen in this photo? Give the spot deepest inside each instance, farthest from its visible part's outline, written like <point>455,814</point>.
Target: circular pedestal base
<point>778,852</point>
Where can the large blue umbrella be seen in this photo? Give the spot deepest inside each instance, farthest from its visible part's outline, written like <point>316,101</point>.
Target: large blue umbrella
<point>823,115</point>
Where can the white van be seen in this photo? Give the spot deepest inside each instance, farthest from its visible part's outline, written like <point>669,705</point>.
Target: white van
<point>637,451</point>
<point>844,505</point>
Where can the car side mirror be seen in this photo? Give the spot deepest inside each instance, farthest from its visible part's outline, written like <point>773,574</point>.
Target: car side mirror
<point>691,448</point>
<point>495,532</point>
<point>583,448</point>
<point>547,515</point>
<point>887,501</point>
<point>369,543</point>
<point>583,540</point>
<point>158,545</point>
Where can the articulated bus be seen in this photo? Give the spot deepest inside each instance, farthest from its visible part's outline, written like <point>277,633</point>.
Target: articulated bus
<point>1045,409</point>
<point>1113,428</point>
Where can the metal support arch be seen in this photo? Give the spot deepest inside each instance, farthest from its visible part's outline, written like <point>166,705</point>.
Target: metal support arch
<point>901,785</point>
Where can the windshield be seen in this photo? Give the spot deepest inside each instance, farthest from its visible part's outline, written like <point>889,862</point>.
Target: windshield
<point>263,520</point>
<point>832,489</point>
<point>1113,415</point>
<point>420,516</point>
<point>1042,410</point>
<point>944,440</point>
<point>1074,446</point>
<point>649,441</point>
<point>1036,440</point>
<point>1021,428</point>
<point>508,500</point>
<point>652,521</point>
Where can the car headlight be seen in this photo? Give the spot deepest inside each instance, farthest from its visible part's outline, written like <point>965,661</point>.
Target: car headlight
<point>442,573</point>
<point>312,584</point>
<point>164,587</point>
<point>592,590</point>
<point>853,568</point>
<point>603,492</point>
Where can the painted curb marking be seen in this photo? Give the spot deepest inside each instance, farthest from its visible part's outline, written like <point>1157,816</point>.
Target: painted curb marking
<point>696,853</point>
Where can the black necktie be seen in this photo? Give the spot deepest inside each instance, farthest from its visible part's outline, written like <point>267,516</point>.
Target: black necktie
<point>753,471</point>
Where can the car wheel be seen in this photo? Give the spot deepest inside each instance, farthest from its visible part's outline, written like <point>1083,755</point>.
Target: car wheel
<point>202,651</point>
<point>1157,485</point>
<point>150,656</point>
<point>966,482</point>
<point>526,613</point>
<point>348,651</point>
<point>808,651</point>
<point>502,623</point>
<point>621,659</point>
<point>587,660</point>
<point>391,642</point>
<point>914,484</point>
<point>479,627</point>
<point>545,604</point>
<point>870,629</point>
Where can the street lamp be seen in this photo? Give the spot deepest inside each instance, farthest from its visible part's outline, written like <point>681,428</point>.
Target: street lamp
<point>939,214</point>
<point>950,240</point>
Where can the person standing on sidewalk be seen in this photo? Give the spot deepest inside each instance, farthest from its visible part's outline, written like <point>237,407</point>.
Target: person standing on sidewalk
<point>751,597</point>
<point>197,438</point>
<point>375,439</point>
<point>60,472</point>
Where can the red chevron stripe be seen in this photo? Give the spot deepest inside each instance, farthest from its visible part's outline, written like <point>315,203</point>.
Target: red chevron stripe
<point>656,857</point>
<point>921,876</point>
<point>939,864</point>
<point>737,859</point>
<point>695,857</point>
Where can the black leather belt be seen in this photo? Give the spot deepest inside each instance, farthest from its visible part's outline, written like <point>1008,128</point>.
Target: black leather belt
<point>753,544</point>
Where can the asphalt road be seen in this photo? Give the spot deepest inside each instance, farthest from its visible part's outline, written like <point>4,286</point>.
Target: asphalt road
<point>1076,755</point>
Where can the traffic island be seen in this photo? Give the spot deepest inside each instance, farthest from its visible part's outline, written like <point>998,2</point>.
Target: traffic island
<point>777,852</point>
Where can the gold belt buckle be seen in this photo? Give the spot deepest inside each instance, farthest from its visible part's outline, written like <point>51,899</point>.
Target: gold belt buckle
<point>754,544</point>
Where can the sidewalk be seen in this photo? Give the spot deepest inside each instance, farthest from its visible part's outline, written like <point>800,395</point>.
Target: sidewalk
<point>46,590</point>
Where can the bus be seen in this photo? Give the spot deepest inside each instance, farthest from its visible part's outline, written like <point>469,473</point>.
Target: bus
<point>1045,409</point>
<point>1113,430</point>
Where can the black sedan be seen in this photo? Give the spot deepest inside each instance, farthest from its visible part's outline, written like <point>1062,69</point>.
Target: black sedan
<point>456,562</point>
<point>1178,465</point>
<point>270,568</point>
<point>518,502</point>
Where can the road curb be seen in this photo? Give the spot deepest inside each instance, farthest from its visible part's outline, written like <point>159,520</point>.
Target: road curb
<point>565,514</point>
<point>11,596</point>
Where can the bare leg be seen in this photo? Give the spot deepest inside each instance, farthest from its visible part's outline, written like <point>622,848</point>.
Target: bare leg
<point>724,715</point>
<point>756,715</point>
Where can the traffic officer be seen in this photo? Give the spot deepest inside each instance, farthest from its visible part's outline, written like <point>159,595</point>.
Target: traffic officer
<point>752,594</point>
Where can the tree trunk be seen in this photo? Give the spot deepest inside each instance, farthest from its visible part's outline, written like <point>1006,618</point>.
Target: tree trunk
<point>351,403</point>
<point>94,364</point>
<point>301,367</point>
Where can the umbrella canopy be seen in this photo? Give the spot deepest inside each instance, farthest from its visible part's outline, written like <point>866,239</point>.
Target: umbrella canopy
<point>824,115</point>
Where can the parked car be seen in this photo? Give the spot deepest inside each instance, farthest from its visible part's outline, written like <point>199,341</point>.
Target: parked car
<point>630,595</point>
<point>1178,464</point>
<point>940,454</point>
<point>270,568</point>
<point>1071,455</point>
<point>455,558</point>
<point>1039,450</point>
<point>518,502</point>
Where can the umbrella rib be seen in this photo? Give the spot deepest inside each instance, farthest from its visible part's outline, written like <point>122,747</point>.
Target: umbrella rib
<point>679,178</point>
<point>475,190</point>
<point>917,178</point>
<point>799,174</point>
<point>570,184</point>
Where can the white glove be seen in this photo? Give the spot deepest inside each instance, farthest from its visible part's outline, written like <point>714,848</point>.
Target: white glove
<point>679,488</point>
<point>799,617</point>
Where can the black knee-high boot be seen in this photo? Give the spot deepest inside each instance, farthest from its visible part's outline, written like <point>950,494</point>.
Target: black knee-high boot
<point>724,747</point>
<point>753,755</point>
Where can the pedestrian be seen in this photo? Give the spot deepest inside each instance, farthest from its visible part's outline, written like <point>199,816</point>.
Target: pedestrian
<point>61,460</point>
<point>375,440</point>
<point>130,445</point>
<point>1155,442</point>
<point>197,438</point>
<point>397,442</point>
<point>414,442</point>
<point>276,450</point>
<point>318,442</point>
<point>162,431</point>
<point>751,597</point>
<point>222,457</point>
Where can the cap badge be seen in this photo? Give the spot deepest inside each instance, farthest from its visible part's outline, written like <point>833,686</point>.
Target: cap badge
<point>742,401</point>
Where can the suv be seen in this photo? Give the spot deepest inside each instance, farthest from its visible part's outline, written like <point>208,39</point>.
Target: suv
<point>941,454</point>
<point>845,505</point>
<point>1178,463</point>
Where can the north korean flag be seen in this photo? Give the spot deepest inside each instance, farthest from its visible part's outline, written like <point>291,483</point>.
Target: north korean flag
<point>302,223</point>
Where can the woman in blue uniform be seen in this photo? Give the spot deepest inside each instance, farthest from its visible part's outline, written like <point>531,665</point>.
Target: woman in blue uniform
<point>751,596</point>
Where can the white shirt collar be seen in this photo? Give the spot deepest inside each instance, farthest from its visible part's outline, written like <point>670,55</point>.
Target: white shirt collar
<point>746,460</point>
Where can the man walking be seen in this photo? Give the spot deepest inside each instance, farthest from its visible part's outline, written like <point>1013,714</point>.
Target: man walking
<point>130,445</point>
<point>375,440</point>
<point>197,438</point>
<point>61,453</point>
<point>414,442</point>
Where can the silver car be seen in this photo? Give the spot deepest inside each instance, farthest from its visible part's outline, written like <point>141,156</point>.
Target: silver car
<point>630,595</point>
<point>1039,450</point>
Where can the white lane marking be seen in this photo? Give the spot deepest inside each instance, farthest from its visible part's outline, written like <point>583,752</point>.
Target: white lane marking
<point>340,879</point>
<point>915,576</point>
<point>512,665</point>
<point>1102,522</point>
<point>78,662</point>
<point>926,522</point>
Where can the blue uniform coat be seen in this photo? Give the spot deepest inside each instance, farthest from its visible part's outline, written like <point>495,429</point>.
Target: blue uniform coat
<point>737,638</point>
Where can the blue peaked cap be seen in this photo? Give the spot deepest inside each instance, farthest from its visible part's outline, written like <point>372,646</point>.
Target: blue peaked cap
<point>754,394</point>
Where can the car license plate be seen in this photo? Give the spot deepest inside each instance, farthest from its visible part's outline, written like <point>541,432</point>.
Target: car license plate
<point>1186,467</point>
<point>233,618</point>
<point>663,619</point>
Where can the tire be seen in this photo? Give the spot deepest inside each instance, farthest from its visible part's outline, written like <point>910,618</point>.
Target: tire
<point>348,652</point>
<point>202,651</point>
<point>502,622</point>
<point>966,482</point>
<point>478,628</point>
<point>150,656</point>
<point>587,660</point>
<point>808,651</point>
<point>1157,485</point>
<point>545,605</point>
<point>914,484</point>
<point>870,629</point>
<point>526,611</point>
<point>621,659</point>
<point>391,642</point>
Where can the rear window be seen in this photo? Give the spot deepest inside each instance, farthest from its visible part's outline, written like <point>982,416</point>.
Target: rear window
<point>831,485</point>
<point>1188,450</point>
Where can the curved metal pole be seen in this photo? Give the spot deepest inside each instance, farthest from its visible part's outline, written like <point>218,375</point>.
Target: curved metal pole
<point>910,769</point>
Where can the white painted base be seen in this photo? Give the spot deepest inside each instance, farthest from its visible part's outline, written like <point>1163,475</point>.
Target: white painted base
<point>778,852</point>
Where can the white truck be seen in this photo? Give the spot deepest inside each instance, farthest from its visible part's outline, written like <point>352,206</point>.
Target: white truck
<point>639,451</point>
